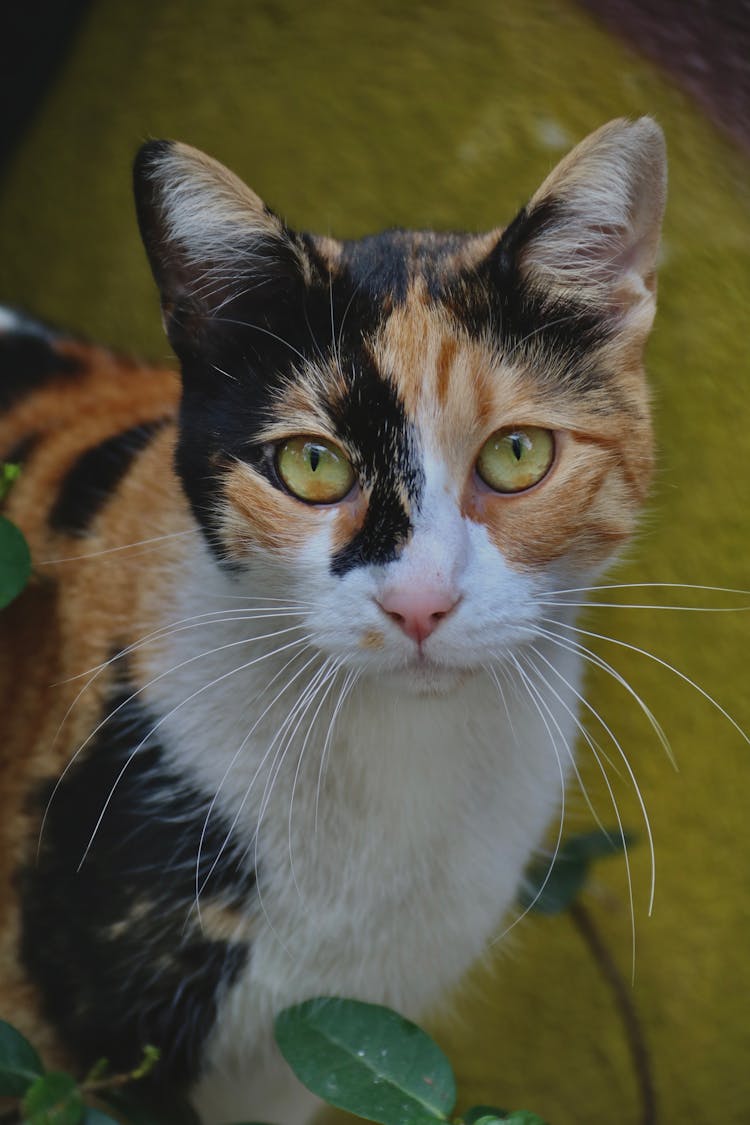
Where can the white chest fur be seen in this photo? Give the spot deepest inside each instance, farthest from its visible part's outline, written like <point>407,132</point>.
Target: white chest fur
<point>382,875</point>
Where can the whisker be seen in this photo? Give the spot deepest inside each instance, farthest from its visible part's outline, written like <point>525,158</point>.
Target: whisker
<point>630,605</point>
<point>351,678</point>
<point>144,687</point>
<point>571,645</point>
<point>123,547</point>
<point>610,790</point>
<point>200,887</point>
<point>543,702</point>
<point>649,586</point>
<point>164,632</point>
<point>328,683</point>
<point>493,676</point>
<point>558,842</point>
<point>664,664</point>
<point>264,331</point>
<point>284,737</point>
<point>616,742</point>
<point>257,772</point>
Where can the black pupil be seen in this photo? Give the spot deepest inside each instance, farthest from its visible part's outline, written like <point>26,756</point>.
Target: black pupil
<point>516,446</point>
<point>314,457</point>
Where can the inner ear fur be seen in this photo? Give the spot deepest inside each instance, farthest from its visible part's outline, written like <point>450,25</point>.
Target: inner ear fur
<point>590,234</point>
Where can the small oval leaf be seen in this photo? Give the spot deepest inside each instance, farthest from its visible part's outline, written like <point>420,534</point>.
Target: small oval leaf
<point>15,562</point>
<point>523,1117</point>
<point>53,1099</point>
<point>548,891</point>
<point>368,1060</point>
<point>20,1065</point>
<point>477,1112</point>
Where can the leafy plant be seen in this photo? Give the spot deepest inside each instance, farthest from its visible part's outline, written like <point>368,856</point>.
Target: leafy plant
<point>52,1097</point>
<point>370,1061</point>
<point>15,558</point>
<point>551,889</point>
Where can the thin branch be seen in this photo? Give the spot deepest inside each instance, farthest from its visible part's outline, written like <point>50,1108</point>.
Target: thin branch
<point>584,923</point>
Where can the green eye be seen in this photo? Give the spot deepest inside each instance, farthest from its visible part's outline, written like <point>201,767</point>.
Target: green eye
<point>314,470</point>
<point>514,459</point>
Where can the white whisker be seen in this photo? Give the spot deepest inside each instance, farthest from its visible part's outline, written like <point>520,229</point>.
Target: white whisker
<point>616,742</point>
<point>328,682</point>
<point>558,842</point>
<point>124,547</point>
<point>199,887</point>
<point>573,646</point>
<point>351,678</point>
<point>608,784</point>
<point>166,716</point>
<point>664,664</point>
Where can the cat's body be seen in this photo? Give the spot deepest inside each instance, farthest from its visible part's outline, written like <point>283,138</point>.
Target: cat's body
<point>324,737</point>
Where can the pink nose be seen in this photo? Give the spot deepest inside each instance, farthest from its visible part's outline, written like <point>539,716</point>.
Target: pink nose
<point>418,612</point>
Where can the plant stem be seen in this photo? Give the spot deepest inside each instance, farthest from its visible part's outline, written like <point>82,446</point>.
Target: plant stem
<point>584,923</point>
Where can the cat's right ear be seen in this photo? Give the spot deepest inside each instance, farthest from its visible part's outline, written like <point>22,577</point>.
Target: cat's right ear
<point>218,254</point>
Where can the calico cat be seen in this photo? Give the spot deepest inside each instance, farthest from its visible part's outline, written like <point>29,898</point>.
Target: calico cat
<point>281,714</point>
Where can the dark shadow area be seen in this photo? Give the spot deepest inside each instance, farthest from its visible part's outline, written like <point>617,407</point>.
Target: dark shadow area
<point>703,44</point>
<point>36,38</point>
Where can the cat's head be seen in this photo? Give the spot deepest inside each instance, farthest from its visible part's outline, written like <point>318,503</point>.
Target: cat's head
<point>415,433</point>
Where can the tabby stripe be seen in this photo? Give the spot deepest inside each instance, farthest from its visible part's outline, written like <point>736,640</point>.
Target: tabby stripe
<point>28,361</point>
<point>95,475</point>
<point>21,451</point>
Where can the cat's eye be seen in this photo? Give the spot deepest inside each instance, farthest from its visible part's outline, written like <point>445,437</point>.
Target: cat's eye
<point>314,470</point>
<point>516,458</point>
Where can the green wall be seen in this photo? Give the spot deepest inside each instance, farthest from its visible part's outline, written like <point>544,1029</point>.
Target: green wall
<point>348,117</point>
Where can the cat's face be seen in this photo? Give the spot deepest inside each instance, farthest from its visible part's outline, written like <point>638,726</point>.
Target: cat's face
<point>416,434</point>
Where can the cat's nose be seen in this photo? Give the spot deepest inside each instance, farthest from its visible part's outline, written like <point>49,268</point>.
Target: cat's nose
<point>418,612</point>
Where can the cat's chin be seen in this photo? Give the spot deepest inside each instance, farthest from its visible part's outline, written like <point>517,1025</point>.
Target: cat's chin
<point>423,677</point>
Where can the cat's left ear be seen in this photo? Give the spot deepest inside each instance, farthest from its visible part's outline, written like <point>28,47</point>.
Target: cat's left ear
<point>590,234</point>
<point>216,250</point>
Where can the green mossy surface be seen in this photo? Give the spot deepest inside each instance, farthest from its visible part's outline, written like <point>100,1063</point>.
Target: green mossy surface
<point>346,118</point>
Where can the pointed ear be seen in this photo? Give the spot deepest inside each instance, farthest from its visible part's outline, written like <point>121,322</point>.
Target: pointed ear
<point>211,242</point>
<point>590,234</point>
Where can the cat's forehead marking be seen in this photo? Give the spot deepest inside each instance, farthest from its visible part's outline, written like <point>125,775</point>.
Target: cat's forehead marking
<point>389,265</point>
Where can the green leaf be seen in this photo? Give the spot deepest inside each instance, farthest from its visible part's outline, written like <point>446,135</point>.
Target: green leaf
<point>20,1065</point>
<point>523,1117</point>
<point>482,1115</point>
<point>478,1112</point>
<point>15,562</point>
<point>368,1060</point>
<point>551,892</point>
<point>53,1099</point>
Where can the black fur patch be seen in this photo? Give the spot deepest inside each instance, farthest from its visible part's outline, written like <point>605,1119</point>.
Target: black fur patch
<point>493,302</point>
<point>88,485</point>
<point>385,265</point>
<point>372,421</point>
<point>259,345</point>
<point>116,948</point>
<point>28,360</point>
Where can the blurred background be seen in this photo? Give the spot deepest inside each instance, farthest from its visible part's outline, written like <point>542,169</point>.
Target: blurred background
<point>348,117</point>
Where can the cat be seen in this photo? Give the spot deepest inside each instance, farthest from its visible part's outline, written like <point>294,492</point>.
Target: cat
<point>308,722</point>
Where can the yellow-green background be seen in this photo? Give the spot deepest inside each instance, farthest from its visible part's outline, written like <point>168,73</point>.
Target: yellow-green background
<point>348,117</point>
